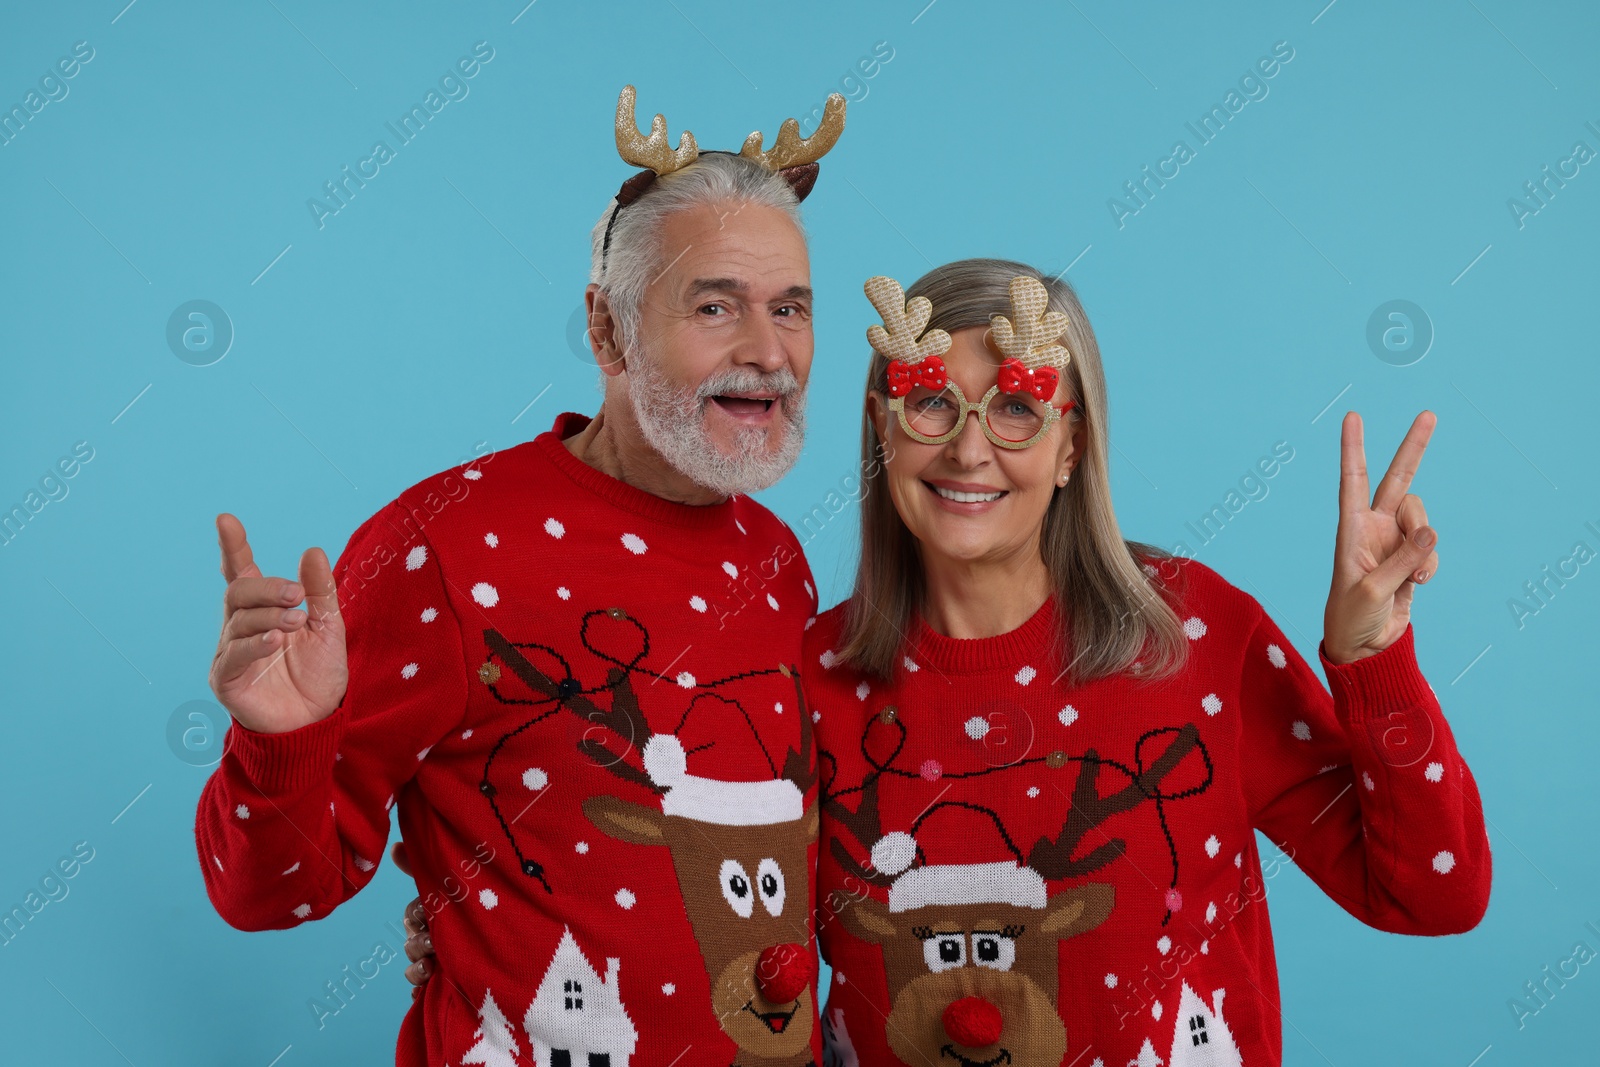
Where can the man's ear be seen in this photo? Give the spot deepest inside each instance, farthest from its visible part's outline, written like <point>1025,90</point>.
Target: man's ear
<point>603,332</point>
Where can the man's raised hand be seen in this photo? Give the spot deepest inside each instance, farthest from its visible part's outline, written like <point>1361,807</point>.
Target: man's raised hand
<point>277,668</point>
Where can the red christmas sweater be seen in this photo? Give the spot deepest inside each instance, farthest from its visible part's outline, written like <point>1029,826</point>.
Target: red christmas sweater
<point>583,701</point>
<point>1018,872</point>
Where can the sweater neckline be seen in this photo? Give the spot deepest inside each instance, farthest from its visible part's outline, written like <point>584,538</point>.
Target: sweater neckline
<point>1022,646</point>
<point>619,493</point>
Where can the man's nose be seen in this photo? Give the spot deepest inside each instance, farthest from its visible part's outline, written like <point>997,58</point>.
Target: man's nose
<point>762,344</point>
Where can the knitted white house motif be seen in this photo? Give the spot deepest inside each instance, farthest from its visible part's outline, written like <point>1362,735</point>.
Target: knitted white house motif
<point>1201,1037</point>
<point>576,1018</point>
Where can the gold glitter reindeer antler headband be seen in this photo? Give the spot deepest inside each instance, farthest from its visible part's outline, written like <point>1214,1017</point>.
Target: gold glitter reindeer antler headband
<point>791,156</point>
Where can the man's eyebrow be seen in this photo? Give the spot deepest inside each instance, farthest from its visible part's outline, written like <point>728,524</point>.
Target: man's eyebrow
<point>717,285</point>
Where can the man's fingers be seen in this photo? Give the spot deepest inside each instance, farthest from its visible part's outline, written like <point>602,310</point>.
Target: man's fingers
<point>249,622</point>
<point>262,593</point>
<point>402,859</point>
<point>419,945</point>
<point>418,973</point>
<point>316,577</point>
<point>237,559</point>
<point>236,657</point>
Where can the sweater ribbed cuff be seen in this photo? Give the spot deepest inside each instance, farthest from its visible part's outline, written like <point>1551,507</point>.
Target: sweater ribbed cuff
<point>1380,683</point>
<point>290,761</point>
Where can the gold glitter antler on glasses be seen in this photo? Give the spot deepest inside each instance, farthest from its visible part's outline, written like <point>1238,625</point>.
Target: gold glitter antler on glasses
<point>911,361</point>
<point>653,151</point>
<point>1029,339</point>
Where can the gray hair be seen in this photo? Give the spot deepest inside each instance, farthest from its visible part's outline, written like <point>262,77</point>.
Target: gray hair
<point>634,258</point>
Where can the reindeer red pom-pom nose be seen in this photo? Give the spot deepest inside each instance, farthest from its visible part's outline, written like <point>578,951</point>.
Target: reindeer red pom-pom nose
<point>973,1022</point>
<point>784,971</point>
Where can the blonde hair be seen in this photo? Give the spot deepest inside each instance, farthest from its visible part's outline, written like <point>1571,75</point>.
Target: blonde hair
<point>1108,605</point>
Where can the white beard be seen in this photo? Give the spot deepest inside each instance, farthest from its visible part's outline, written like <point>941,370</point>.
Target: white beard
<point>672,420</point>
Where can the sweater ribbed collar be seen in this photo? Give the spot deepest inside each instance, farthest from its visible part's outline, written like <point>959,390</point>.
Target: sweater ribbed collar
<point>1027,645</point>
<point>619,493</point>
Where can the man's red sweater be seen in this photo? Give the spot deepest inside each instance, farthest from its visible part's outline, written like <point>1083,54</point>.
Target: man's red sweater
<point>582,699</point>
<point>1015,871</point>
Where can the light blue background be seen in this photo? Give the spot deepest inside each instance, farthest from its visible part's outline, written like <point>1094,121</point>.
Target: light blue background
<point>1231,310</point>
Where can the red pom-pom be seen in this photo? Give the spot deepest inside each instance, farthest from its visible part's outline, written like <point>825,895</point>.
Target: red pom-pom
<point>784,972</point>
<point>973,1022</point>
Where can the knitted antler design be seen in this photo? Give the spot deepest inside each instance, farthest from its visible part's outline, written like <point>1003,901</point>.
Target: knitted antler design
<point>653,151</point>
<point>911,361</point>
<point>790,149</point>
<point>1030,334</point>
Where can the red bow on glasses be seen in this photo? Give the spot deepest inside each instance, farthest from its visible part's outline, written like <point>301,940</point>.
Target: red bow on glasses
<point>1040,381</point>
<point>928,372</point>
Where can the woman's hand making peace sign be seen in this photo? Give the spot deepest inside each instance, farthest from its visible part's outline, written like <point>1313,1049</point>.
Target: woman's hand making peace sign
<point>1383,548</point>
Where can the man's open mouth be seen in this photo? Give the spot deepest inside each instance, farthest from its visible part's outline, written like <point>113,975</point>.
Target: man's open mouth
<point>744,405</point>
<point>777,1021</point>
<point>1003,1056</point>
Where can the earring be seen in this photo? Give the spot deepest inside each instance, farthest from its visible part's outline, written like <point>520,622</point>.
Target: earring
<point>1065,478</point>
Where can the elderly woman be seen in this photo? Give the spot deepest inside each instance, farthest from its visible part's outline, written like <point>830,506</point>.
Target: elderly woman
<point>1044,750</point>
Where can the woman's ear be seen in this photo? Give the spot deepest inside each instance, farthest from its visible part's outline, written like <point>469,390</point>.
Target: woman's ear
<point>603,333</point>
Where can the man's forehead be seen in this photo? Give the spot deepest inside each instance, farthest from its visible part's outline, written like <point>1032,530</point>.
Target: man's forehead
<point>737,285</point>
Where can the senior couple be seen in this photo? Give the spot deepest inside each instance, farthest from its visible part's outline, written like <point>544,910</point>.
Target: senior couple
<point>1009,787</point>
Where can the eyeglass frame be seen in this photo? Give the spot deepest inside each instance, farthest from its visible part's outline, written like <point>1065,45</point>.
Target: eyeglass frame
<point>897,404</point>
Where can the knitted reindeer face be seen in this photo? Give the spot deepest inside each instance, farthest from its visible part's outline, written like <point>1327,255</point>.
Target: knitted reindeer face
<point>739,848</point>
<point>971,951</point>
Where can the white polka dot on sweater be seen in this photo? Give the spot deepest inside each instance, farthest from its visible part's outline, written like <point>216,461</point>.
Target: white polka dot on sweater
<point>910,664</point>
<point>811,622</point>
<point>698,603</point>
<point>1211,912</point>
<point>1212,703</point>
<point>1238,859</point>
<point>1444,862</point>
<point>1026,675</point>
<point>563,592</point>
<point>1276,657</point>
<point>1164,944</point>
<point>739,524</point>
<point>625,898</point>
<point>1434,772</point>
<point>554,528</point>
<point>1155,1010</point>
<point>409,670</point>
<point>488,898</point>
<point>668,988</point>
<point>977,727</point>
<point>486,594</point>
<point>826,659</point>
<point>535,778</point>
<point>1366,780</point>
<point>1033,791</point>
<point>363,864</point>
<point>491,540</point>
<point>1194,628</point>
<point>416,557</point>
<point>1111,981</point>
<point>472,474</point>
<point>242,811</point>
<point>686,679</point>
<point>732,571</point>
<point>634,543</point>
<point>581,847</point>
<point>1068,715</point>
<point>772,602</point>
<point>466,734</point>
<point>809,590</point>
<point>294,868</point>
<point>424,753</point>
<point>302,911</point>
<point>1301,730</point>
<point>862,690</point>
<point>429,614</point>
<point>1213,846</point>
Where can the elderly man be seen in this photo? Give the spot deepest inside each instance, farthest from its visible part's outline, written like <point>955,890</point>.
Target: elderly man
<point>571,666</point>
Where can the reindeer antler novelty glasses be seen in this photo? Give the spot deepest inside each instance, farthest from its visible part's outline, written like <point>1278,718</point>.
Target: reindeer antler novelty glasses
<point>791,156</point>
<point>1016,411</point>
